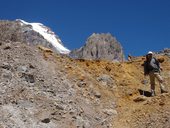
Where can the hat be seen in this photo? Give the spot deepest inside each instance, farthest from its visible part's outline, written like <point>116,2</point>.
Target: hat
<point>150,53</point>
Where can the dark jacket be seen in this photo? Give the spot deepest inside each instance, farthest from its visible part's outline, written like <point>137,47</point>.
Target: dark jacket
<point>151,65</point>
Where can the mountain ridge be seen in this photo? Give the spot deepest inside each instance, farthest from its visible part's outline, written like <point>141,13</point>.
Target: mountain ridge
<point>48,35</point>
<point>31,33</point>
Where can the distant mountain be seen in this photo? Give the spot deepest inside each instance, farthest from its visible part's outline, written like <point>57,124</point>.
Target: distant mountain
<point>100,47</point>
<point>31,33</point>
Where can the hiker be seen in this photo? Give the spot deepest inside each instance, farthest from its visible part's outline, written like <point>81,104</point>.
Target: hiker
<point>152,68</point>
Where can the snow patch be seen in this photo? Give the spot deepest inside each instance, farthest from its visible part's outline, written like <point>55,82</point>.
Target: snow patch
<point>48,35</point>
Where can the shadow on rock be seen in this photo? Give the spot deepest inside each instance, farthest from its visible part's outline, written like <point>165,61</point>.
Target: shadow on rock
<point>145,93</point>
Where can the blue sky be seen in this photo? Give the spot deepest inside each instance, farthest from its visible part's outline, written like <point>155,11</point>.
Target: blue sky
<point>139,25</point>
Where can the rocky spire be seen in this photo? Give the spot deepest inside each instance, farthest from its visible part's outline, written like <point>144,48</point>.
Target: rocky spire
<point>100,47</point>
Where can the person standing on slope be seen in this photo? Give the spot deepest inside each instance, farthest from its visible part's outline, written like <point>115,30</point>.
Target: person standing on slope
<point>152,68</point>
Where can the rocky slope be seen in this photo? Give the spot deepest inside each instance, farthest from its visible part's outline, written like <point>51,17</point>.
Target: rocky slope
<point>100,47</point>
<point>41,89</point>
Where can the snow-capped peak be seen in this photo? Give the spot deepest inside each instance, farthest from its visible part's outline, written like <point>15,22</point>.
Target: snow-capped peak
<point>48,35</point>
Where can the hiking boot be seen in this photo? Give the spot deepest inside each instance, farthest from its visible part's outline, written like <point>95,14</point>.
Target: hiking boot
<point>164,91</point>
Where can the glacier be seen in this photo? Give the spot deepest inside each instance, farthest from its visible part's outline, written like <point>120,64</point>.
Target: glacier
<point>48,35</point>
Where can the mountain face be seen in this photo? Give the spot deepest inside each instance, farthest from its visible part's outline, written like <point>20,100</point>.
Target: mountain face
<point>100,47</point>
<point>31,33</point>
<point>42,89</point>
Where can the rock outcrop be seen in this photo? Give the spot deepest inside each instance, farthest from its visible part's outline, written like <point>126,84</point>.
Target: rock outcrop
<point>100,47</point>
